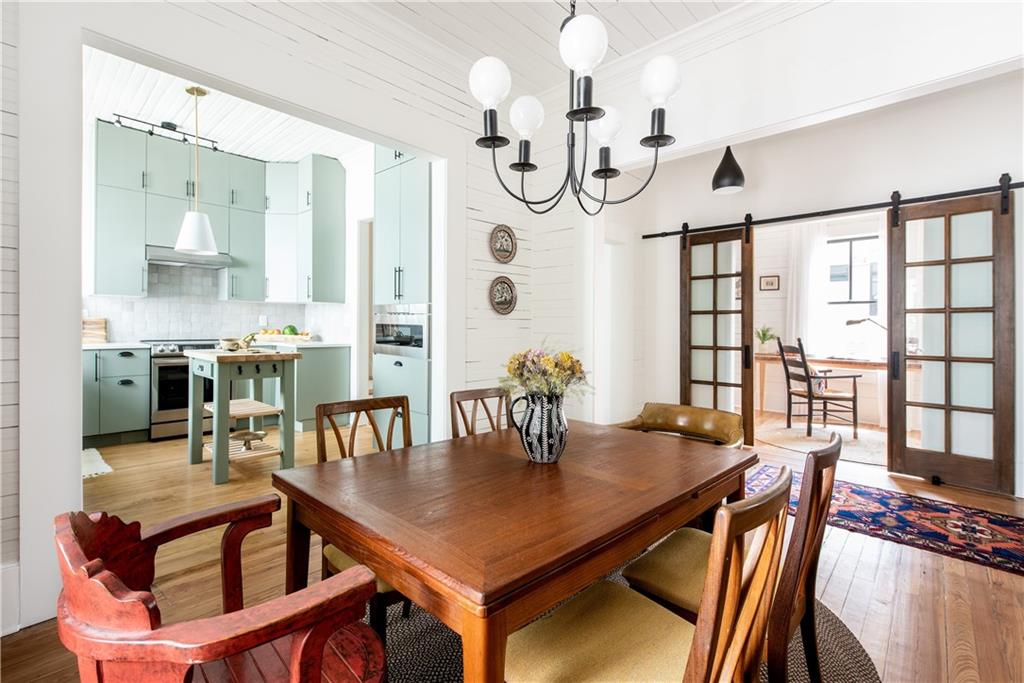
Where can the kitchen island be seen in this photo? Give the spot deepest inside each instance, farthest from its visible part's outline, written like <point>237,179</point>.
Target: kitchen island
<point>224,367</point>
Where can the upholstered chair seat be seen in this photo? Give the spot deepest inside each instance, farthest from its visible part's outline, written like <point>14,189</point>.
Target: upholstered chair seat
<point>674,571</point>
<point>723,428</point>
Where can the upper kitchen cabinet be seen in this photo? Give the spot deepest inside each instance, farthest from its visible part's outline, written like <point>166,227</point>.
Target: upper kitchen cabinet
<point>304,186</point>
<point>164,216</point>
<point>167,167</point>
<point>385,157</point>
<point>214,178</point>
<point>281,259</point>
<point>120,241</point>
<point>401,234</point>
<point>282,188</point>
<point>248,183</point>
<point>245,279</point>
<point>120,156</point>
<point>328,248</point>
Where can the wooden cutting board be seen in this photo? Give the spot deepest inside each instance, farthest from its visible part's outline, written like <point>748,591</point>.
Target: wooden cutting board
<point>94,330</point>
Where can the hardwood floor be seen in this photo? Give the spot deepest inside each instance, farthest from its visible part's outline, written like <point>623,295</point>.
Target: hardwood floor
<point>921,616</point>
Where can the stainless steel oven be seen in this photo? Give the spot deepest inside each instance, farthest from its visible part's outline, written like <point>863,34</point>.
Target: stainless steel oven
<point>169,379</point>
<point>402,330</point>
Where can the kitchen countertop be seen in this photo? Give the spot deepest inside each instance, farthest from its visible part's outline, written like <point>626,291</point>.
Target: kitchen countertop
<point>114,346</point>
<point>262,356</point>
<point>314,345</point>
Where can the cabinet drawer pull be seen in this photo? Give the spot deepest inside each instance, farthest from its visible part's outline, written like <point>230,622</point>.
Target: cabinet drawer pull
<point>96,367</point>
<point>266,201</point>
<point>398,364</point>
<point>127,354</point>
<point>309,197</point>
<point>257,368</point>
<point>125,382</point>
<point>238,369</point>
<point>232,196</point>
<point>143,180</point>
<point>274,366</point>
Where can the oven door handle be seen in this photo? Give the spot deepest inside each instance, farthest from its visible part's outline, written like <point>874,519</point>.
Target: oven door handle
<point>163,362</point>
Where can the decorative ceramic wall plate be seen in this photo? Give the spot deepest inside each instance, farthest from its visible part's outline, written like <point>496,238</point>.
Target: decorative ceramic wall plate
<point>502,295</point>
<point>503,244</point>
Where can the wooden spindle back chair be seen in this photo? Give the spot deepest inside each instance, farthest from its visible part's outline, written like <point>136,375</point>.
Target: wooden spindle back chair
<point>794,597</point>
<point>479,398</point>
<point>804,382</point>
<point>398,405</point>
<point>739,586</point>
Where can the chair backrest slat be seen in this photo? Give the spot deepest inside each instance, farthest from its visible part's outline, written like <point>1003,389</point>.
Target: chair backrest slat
<point>478,398</point>
<point>398,405</point>
<point>795,366</point>
<point>732,621</point>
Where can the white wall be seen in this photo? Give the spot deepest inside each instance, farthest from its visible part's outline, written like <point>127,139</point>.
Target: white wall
<point>962,138</point>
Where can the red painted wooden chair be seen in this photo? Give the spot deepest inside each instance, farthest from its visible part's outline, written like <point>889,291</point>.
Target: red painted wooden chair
<point>108,616</point>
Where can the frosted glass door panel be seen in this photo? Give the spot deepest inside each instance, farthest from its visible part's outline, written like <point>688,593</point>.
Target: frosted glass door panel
<point>971,385</point>
<point>729,366</point>
<point>730,331</point>
<point>971,335</point>
<point>700,330</point>
<point>700,365</point>
<point>926,239</point>
<point>970,285</point>
<point>701,294</point>
<point>926,428</point>
<point>728,290</point>
<point>729,257</point>
<point>702,395</point>
<point>926,287</point>
<point>702,259</point>
<point>972,434</point>
<point>730,399</point>
<point>971,234</point>
<point>926,383</point>
<point>926,334</point>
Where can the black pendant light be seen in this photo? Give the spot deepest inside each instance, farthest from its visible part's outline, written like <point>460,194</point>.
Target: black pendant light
<point>729,176</point>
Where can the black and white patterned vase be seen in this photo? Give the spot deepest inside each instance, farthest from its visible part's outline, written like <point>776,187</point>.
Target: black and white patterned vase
<point>542,429</point>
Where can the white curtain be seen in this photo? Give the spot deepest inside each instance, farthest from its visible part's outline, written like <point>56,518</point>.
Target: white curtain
<point>808,279</point>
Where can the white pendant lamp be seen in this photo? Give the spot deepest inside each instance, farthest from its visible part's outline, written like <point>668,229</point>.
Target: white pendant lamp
<point>196,234</point>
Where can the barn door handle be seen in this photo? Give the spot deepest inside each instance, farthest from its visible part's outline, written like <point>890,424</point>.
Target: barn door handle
<point>894,365</point>
<point>746,356</point>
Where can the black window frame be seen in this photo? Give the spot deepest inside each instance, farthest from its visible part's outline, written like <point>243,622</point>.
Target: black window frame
<point>849,270</point>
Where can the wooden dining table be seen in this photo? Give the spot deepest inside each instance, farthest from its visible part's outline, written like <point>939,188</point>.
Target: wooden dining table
<point>485,540</point>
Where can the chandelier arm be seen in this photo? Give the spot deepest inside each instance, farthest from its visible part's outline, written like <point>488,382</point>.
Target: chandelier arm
<point>654,167</point>
<point>523,199</point>
<point>601,202</point>
<point>561,192</point>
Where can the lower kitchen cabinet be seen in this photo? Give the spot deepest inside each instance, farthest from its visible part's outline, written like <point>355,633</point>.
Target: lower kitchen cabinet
<point>322,375</point>
<point>90,393</point>
<point>404,376</point>
<point>124,404</point>
<point>115,391</point>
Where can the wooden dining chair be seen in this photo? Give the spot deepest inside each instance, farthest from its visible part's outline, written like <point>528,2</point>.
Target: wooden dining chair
<point>673,573</point>
<point>108,616</point>
<point>810,386</point>
<point>610,633</point>
<point>479,397</point>
<point>704,424</point>
<point>334,560</point>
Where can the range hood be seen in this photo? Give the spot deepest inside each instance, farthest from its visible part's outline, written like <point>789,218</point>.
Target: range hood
<point>168,257</point>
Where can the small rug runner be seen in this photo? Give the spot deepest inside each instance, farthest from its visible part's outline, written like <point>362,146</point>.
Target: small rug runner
<point>93,464</point>
<point>970,534</point>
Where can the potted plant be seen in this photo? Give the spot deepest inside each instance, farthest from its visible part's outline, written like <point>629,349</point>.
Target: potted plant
<point>764,335</point>
<point>543,379</point>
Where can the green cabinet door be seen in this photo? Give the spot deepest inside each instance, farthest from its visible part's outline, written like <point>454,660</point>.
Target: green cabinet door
<point>124,404</point>
<point>167,163</point>
<point>283,188</point>
<point>120,241</point>
<point>387,198</point>
<point>246,278</point>
<point>214,176</point>
<point>248,183</point>
<point>120,156</point>
<point>90,393</point>
<point>328,284</point>
<point>321,376</point>
<point>163,219</point>
<point>220,222</point>
<point>414,260</point>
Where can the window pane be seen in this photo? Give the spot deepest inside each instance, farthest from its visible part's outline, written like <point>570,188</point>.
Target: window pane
<point>838,255</point>
<point>971,385</point>
<point>730,399</point>
<point>729,257</point>
<point>926,239</point>
<point>971,234</point>
<point>729,330</point>
<point>926,428</point>
<point>926,287</point>
<point>702,396</point>
<point>701,256</point>
<point>729,366</point>
<point>700,295</point>
<point>972,434</point>
<point>865,269</point>
<point>700,365</point>
<point>728,294</point>
<point>926,381</point>
<point>700,330</point>
<point>972,335</point>
<point>926,334</point>
<point>971,284</point>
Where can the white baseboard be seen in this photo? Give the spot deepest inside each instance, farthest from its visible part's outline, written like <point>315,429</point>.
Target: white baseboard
<point>10,591</point>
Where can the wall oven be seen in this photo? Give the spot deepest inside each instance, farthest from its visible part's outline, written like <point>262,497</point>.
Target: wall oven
<point>402,330</point>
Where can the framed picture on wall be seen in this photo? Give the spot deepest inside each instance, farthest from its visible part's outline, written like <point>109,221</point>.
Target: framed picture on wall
<point>769,283</point>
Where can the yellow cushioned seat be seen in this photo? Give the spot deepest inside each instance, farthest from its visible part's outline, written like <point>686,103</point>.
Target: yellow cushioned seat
<point>607,633</point>
<point>339,561</point>
<point>674,570</point>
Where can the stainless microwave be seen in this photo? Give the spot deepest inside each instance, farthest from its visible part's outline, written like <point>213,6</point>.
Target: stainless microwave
<point>402,330</point>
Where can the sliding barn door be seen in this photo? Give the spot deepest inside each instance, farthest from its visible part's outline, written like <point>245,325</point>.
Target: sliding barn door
<point>951,323</point>
<point>716,324</point>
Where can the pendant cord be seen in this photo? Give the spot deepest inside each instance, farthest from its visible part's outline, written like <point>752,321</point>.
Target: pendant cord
<point>195,193</point>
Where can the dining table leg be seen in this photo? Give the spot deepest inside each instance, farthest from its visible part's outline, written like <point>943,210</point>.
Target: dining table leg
<point>483,648</point>
<point>740,492</point>
<point>296,573</point>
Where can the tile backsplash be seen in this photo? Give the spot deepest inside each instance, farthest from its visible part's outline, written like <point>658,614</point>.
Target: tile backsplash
<point>182,303</point>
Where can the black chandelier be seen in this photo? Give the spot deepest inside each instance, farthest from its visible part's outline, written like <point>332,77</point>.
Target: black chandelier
<point>582,45</point>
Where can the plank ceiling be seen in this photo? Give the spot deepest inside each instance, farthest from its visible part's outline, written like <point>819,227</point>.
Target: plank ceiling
<point>114,85</point>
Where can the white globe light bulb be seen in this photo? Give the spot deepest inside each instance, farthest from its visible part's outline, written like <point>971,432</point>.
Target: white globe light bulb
<point>606,128</point>
<point>526,115</point>
<point>490,81</point>
<point>660,80</point>
<point>583,43</point>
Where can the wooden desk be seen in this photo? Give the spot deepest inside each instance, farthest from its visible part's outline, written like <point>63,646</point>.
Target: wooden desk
<point>762,360</point>
<point>485,540</point>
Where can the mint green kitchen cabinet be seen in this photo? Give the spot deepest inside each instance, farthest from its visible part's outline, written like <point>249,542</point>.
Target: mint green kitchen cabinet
<point>90,393</point>
<point>304,257</point>
<point>404,376</point>
<point>414,246</point>
<point>304,184</point>
<point>120,156</point>
<point>120,241</point>
<point>167,167</point>
<point>124,404</point>
<point>248,183</point>
<point>322,375</point>
<point>283,188</point>
<point>385,157</point>
<point>164,216</point>
<point>115,363</point>
<point>245,279</point>
<point>328,259</point>
<point>387,227</point>
<point>214,177</point>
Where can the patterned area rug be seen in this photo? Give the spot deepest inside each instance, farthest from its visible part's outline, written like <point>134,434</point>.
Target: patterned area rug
<point>987,538</point>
